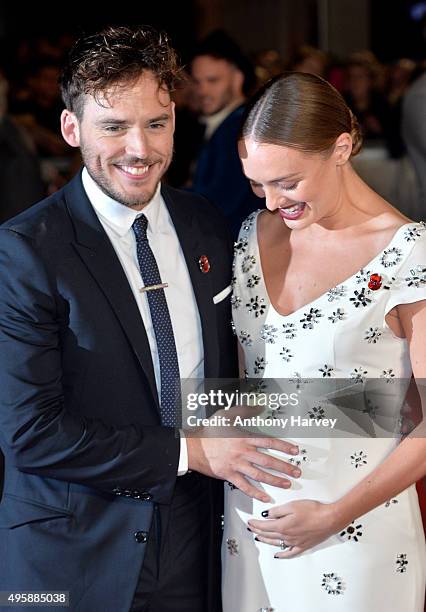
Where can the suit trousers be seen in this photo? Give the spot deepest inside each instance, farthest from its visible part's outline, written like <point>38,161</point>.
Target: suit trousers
<point>174,572</point>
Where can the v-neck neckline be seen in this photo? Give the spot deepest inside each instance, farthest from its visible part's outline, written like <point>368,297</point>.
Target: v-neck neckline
<point>346,281</point>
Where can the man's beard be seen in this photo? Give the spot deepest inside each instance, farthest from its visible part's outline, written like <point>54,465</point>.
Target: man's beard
<point>106,185</point>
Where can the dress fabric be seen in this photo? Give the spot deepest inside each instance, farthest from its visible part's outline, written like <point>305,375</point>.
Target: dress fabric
<point>378,562</point>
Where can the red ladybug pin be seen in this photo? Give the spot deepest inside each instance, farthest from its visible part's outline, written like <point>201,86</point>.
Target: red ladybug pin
<point>204,264</point>
<point>375,282</point>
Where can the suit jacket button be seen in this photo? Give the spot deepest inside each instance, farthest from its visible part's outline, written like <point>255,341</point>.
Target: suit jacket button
<point>146,496</point>
<point>141,537</point>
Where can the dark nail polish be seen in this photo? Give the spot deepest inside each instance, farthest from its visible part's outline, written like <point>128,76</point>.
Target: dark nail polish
<point>265,513</point>
<point>248,529</point>
<point>257,539</point>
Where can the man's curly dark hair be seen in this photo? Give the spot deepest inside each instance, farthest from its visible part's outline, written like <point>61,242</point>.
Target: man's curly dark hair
<point>116,56</point>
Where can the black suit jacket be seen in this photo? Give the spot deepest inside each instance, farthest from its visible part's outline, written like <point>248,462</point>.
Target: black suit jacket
<point>85,456</point>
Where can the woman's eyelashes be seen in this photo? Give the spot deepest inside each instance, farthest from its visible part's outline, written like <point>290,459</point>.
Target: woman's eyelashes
<point>289,187</point>
<point>259,191</point>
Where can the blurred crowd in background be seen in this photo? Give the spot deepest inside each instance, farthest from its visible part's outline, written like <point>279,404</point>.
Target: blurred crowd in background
<point>35,161</point>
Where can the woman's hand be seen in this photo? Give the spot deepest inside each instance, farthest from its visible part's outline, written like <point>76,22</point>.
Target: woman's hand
<point>300,525</point>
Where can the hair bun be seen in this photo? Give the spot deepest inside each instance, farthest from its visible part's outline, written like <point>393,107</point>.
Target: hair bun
<point>355,134</point>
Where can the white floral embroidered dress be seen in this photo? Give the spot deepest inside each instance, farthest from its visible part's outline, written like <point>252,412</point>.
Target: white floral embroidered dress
<point>378,562</point>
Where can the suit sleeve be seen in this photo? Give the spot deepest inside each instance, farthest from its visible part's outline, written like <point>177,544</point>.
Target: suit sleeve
<point>38,434</point>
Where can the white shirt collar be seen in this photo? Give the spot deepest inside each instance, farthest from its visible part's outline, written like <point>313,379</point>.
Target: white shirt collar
<point>212,122</point>
<point>120,218</point>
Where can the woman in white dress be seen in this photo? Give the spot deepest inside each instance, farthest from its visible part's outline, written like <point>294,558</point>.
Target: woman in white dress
<point>330,283</point>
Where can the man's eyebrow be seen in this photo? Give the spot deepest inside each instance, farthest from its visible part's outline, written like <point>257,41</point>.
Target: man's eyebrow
<point>163,117</point>
<point>112,121</point>
<point>115,121</point>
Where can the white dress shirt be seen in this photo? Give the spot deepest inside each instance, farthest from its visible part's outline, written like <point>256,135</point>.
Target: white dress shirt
<point>117,221</point>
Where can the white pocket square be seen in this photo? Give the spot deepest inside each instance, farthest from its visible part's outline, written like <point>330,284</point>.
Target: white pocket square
<point>222,294</point>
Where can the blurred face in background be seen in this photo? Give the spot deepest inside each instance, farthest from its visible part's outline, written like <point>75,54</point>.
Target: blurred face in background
<point>358,81</point>
<point>44,85</point>
<point>217,83</point>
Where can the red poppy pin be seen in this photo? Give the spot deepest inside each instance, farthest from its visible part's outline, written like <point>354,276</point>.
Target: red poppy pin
<point>204,264</point>
<point>375,282</point>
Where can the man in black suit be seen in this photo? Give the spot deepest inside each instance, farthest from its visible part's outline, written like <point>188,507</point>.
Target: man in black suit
<point>110,291</point>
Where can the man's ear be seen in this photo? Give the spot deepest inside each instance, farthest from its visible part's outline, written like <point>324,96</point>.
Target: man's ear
<point>173,107</point>
<point>343,148</point>
<point>70,128</point>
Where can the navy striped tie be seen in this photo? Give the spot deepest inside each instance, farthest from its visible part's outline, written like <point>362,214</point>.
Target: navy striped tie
<point>160,316</point>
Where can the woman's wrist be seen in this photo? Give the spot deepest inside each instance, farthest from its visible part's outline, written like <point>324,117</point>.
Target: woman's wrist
<point>341,515</point>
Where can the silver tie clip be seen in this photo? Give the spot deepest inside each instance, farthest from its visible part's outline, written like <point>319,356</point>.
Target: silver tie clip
<point>154,287</point>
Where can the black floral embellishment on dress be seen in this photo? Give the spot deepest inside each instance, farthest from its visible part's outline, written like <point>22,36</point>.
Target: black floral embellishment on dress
<point>300,458</point>
<point>361,298</point>
<point>310,318</point>
<point>401,563</point>
<point>359,374</point>
<point>358,459</point>
<point>372,335</point>
<point>248,223</point>
<point>231,485</point>
<point>245,338</point>
<point>259,365</point>
<point>286,354</point>
<point>388,374</point>
<point>352,532</point>
<point>317,412</point>
<point>248,262</point>
<point>388,283</point>
<point>289,330</point>
<point>326,371</point>
<point>332,583</point>
<point>336,293</point>
<point>363,276</point>
<point>338,315</point>
<point>413,232</point>
<point>391,257</point>
<point>258,387</point>
<point>253,281</point>
<point>232,546</point>
<point>256,306</point>
<point>235,301</point>
<point>417,277</point>
<point>268,333</point>
<point>240,246</point>
<point>391,502</point>
<point>234,331</point>
<point>297,380</point>
<point>233,281</point>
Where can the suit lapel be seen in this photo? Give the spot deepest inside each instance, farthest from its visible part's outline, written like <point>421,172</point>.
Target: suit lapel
<point>98,254</point>
<point>190,238</point>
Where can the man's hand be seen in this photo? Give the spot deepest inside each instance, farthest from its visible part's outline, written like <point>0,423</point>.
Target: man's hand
<point>237,459</point>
